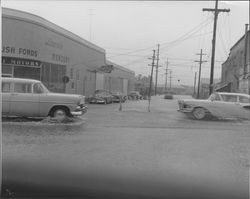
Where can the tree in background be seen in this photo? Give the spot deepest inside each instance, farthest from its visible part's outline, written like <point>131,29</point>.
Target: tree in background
<point>142,84</point>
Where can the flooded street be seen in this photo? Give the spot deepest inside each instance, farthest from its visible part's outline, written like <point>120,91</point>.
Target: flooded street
<point>128,153</point>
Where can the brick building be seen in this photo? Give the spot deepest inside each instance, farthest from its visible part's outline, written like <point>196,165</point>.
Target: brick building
<point>235,74</point>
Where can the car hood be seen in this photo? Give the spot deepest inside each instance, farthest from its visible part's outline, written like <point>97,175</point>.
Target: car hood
<point>66,98</point>
<point>191,101</point>
<point>64,95</point>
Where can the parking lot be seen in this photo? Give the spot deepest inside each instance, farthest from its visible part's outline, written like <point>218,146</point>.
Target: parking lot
<point>128,154</point>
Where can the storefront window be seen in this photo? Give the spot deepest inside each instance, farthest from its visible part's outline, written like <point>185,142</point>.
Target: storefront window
<point>52,77</point>
<point>27,72</point>
<point>7,71</point>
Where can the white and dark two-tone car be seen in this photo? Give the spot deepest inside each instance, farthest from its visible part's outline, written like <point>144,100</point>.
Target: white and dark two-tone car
<point>220,105</point>
<point>30,98</point>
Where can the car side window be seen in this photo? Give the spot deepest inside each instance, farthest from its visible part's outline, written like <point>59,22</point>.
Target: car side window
<point>22,88</point>
<point>37,88</point>
<point>243,99</point>
<point>216,97</point>
<point>5,87</point>
<point>229,98</point>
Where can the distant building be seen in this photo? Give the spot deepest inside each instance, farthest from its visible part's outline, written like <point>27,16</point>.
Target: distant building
<point>234,78</point>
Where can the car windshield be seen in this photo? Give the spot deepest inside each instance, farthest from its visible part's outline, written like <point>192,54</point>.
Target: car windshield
<point>101,92</point>
<point>40,88</point>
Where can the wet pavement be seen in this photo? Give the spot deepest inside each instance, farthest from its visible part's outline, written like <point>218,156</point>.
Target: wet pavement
<point>131,153</point>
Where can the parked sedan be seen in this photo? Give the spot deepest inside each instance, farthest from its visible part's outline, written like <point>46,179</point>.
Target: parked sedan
<point>101,97</point>
<point>134,95</point>
<point>30,98</point>
<point>117,97</point>
<point>220,105</point>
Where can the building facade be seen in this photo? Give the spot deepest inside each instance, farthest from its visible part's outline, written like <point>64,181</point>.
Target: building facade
<point>33,47</point>
<point>235,72</point>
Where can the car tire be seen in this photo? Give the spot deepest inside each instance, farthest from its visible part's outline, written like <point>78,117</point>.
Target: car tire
<point>199,113</point>
<point>60,112</point>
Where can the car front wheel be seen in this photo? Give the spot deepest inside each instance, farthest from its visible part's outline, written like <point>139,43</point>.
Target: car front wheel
<point>60,113</point>
<point>199,113</point>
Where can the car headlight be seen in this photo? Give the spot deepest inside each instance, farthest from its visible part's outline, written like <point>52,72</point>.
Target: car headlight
<point>187,106</point>
<point>82,100</point>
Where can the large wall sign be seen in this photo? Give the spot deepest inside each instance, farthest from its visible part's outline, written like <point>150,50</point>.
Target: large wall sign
<point>20,61</point>
<point>19,51</point>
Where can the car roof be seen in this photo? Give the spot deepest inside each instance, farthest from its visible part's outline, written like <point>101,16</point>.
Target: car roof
<point>22,80</point>
<point>236,94</point>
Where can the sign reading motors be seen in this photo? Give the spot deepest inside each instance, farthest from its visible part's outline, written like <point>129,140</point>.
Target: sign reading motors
<point>20,61</point>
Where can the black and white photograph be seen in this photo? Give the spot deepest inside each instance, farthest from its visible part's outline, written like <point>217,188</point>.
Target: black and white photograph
<point>125,99</point>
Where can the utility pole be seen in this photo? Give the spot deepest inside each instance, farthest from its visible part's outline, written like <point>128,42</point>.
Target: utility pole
<point>170,78</point>
<point>151,77</point>
<point>245,50</point>
<point>195,83</point>
<point>199,78</point>
<point>156,71</point>
<point>166,80</point>
<point>216,12</point>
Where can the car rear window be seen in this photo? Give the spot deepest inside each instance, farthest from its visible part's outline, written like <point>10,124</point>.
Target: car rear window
<point>5,87</point>
<point>22,88</point>
<point>243,99</point>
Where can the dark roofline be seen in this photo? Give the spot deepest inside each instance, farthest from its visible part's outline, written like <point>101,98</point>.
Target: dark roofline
<point>239,40</point>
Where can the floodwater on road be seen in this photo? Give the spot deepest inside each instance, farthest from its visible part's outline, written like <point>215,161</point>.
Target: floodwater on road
<point>132,151</point>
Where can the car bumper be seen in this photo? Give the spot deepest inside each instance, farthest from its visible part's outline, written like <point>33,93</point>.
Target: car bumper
<point>80,110</point>
<point>97,101</point>
<point>184,110</point>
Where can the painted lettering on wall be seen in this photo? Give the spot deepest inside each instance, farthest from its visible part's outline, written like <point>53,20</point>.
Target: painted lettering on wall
<point>54,44</point>
<point>19,51</point>
<point>60,58</point>
<point>20,62</point>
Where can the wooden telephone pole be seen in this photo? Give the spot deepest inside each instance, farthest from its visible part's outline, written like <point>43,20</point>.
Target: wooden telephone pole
<point>156,71</point>
<point>166,80</point>
<point>216,12</point>
<point>199,78</point>
<point>194,94</point>
<point>170,78</point>
<point>151,77</point>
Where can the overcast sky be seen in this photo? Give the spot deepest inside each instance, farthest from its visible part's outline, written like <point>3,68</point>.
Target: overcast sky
<point>130,30</point>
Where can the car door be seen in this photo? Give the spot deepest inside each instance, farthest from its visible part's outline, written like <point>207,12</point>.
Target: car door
<point>23,101</point>
<point>228,107</point>
<point>6,88</point>
<point>244,107</point>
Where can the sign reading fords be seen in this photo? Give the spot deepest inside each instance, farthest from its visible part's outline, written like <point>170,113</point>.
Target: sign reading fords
<point>21,62</point>
<point>19,51</point>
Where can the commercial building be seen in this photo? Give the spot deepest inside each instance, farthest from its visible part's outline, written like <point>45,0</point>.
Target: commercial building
<point>33,47</point>
<point>235,76</point>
